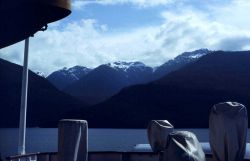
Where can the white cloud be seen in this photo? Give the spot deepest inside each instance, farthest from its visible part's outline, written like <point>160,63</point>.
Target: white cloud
<point>88,43</point>
<point>218,28</point>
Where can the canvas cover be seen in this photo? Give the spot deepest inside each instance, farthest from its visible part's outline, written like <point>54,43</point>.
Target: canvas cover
<point>158,131</point>
<point>183,146</point>
<point>228,131</point>
<point>73,140</point>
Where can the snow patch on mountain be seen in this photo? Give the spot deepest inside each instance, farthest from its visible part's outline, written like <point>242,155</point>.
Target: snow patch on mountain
<point>41,74</point>
<point>195,54</point>
<point>127,65</point>
<point>74,72</point>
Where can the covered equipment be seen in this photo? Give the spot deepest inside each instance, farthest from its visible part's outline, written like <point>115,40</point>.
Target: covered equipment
<point>228,123</point>
<point>158,131</point>
<point>183,146</point>
<point>73,140</point>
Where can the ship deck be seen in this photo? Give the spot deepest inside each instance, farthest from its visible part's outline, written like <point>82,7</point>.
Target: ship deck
<point>141,152</point>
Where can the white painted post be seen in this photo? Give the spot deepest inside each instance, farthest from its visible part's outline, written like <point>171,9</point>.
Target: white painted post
<point>23,110</point>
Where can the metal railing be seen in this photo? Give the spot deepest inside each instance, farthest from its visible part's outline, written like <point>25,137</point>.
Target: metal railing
<point>50,156</point>
<point>92,156</point>
<point>97,156</point>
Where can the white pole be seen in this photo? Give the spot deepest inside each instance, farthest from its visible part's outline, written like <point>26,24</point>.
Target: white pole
<point>23,110</point>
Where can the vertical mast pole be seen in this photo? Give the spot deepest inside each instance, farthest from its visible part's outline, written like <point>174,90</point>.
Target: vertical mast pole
<point>23,110</point>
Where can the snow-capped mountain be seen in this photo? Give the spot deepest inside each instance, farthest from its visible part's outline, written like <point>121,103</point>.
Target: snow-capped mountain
<point>192,55</point>
<point>108,79</point>
<point>66,76</point>
<point>135,72</point>
<point>179,61</point>
<point>102,82</point>
<point>41,74</point>
<point>185,96</point>
<point>125,66</point>
<point>76,72</point>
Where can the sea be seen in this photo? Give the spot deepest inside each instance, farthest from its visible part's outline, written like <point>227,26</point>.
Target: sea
<point>45,139</point>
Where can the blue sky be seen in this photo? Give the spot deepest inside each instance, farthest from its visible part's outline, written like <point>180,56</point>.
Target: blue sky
<point>150,31</point>
<point>120,17</point>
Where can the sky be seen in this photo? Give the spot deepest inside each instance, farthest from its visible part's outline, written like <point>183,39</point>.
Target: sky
<point>150,31</point>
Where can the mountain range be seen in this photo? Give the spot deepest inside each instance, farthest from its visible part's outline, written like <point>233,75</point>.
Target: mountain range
<point>96,85</point>
<point>62,78</point>
<point>184,97</point>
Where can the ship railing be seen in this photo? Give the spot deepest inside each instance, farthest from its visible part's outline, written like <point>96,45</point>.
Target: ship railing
<point>96,156</point>
<point>48,156</point>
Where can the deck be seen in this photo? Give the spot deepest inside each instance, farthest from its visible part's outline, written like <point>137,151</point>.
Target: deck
<point>141,152</point>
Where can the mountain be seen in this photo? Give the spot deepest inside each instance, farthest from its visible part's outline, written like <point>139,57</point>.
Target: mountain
<point>136,72</point>
<point>41,74</point>
<point>94,86</point>
<point>179,61</point>
<point>184,97</point>
<point>65,77</point>
<point>46,104</point>
<point>108,79</point>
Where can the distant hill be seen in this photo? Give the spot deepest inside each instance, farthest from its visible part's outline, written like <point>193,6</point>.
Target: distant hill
<point>64,77</point>
<point>99,84</point>
<point>46,104</point>
<point>108,79</point>
<point>183,97</point>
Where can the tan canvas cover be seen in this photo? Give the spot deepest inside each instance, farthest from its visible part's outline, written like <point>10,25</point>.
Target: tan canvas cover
<point>158,131</point>
<point>73,140</point>
<point>183,146</point>
<point>228,131</point>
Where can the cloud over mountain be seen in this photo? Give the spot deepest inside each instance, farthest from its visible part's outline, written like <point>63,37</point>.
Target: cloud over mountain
<point>182,26</point>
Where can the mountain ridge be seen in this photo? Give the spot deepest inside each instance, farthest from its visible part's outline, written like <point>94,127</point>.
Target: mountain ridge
<point>184,97</point>
<point>130,73</point>
<point>105,81</point>
<point>66,76</point>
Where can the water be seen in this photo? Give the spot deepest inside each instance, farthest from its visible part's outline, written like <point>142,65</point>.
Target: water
<point>45,139</point>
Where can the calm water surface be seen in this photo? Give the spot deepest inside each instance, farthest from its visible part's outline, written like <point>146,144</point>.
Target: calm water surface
<point>45,139</point>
